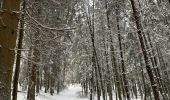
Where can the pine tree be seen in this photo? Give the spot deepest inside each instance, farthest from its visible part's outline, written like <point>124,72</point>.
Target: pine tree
<point>18,59</point>
<point>8,33</point>
<point>145,53</point>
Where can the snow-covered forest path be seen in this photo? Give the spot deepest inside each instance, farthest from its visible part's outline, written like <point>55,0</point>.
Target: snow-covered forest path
<point>71,93</point>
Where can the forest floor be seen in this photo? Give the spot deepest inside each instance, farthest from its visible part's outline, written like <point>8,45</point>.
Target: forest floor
<point>73,92</point>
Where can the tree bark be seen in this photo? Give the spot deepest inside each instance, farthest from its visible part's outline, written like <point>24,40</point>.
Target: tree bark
<point>145,54</point>
<point>18,59</point>
<point>92,33</point>
<point>37,80</point>
<point>8,35</point>
<point>32,79</point>
<point>125,82</point>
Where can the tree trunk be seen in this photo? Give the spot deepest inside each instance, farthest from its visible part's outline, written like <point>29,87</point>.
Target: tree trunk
<point>125,82</point>
<point>108,78</point>
<point>32,79</point>
<point>17,69</point>
<point>37,80</point>
<point>145,54</point>
<point>92,32</point>
<point>8,35</point>
<point>117,76</point>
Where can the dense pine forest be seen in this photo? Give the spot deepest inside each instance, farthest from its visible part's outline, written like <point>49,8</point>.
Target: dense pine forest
<point>84,49</point>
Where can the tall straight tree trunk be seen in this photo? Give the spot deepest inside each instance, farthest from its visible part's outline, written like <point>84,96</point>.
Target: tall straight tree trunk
<point>18,59</point>
<point>108,77</point>
<point>156,70</point>
<point>112,56</point>
<point>117,76</point>
<point>34,68</point>
<point>92,32</point>
<point>37,80</point>
<point>32,83</point>
<point>164,70</point>
<point>8,35</point>
<point>145,54</point>
<point>91,86</point>
<point>32,78</point>
<point>33,74</point>
<point>96,74</point>
<point>125,82</point>
<point>152,56</point>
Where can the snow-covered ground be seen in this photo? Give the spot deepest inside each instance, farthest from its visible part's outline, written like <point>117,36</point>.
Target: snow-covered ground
<point>71,93</point>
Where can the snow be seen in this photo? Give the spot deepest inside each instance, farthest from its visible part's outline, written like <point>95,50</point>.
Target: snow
<point>73,92</point>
